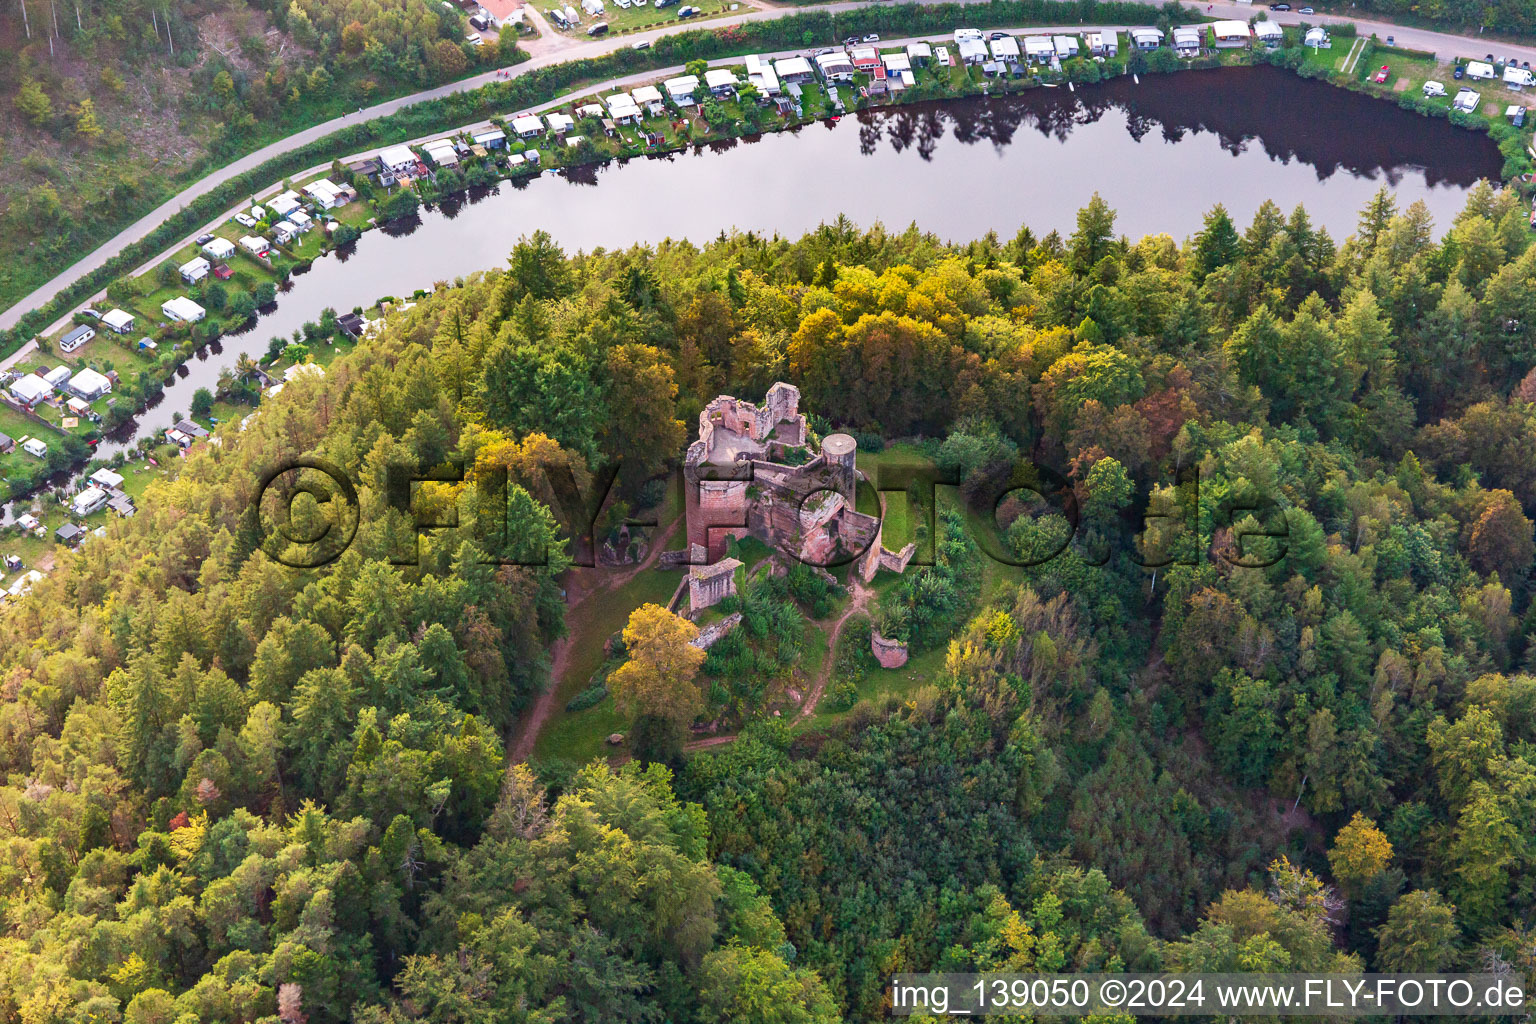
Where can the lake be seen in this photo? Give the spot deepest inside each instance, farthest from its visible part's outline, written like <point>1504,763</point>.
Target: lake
<point>1162,152</point>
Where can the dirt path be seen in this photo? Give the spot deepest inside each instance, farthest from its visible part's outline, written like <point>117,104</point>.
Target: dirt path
<point>861,596</point>
<point>533,723</point>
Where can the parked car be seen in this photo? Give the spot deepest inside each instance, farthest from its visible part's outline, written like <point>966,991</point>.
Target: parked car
<point>1279,7</point>
<point>473,39</point>
<point>1488,57</point>
<point>600,29</point>
<point>851,41</point>
<point>644,44</point>
<point>874,37</point>
<point>1459,72</point>
<point>1381,76</point>
<point>245,220</point>
<point>623,3</point>
<point>1391,41</point>
<point>204,239</point>
<point>998,35</point>
<point>1306,10</point>
<point>686,12</point>
<point>92,313</point>
<point>824,51</point>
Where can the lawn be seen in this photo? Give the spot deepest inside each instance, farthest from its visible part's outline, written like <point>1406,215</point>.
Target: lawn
<point>878,683</point>
<point>580,736</point>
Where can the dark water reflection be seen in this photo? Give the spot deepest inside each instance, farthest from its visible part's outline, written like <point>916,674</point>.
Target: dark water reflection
<point>1162,153</point>
<point>1289,119</point>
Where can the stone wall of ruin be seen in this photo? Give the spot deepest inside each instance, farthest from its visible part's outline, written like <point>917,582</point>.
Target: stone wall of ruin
<point>888,652</point>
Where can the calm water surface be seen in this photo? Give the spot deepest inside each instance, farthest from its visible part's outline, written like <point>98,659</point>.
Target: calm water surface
<point>1162,153</point>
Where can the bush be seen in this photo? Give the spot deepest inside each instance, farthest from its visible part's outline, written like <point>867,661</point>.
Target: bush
<point>591,697</point>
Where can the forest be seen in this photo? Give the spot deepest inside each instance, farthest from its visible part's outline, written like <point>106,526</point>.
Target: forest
<point>129,101</point>
<point>237,791</point>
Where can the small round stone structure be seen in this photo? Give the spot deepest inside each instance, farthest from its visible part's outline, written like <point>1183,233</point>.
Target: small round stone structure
<point>890,653</point>
<point>840,449</point>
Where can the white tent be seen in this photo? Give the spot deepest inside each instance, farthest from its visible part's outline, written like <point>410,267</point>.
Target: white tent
<point>118,321</point>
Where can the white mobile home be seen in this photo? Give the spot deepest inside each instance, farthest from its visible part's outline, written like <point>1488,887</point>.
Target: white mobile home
<point>649,97</point>
<point>1039,49</point>
<point>284,204</point>
<point>1006,48</point>
<point>836,67</point>
<point>325,194</point>
<point>761,74</point>
<point>1065,46</point>
<point>92,499</point>
<point>182,309</point>
<point>680,90</point>
<point>195,269</point>
<point>29,390</point>
<point>1231,34</point>
<point>76,337</point>
<point>442,153</point>
<point>1479,69</point>
<point>398,159</point>
<point>1146,38</point>
<point>720,81</point>
<point>623,109</point>
<point>971,46</point>
<point>792,71</point>
<point>1103,44</point>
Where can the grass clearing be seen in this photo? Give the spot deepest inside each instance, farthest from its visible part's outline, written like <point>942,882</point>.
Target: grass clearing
<point>579,736</point>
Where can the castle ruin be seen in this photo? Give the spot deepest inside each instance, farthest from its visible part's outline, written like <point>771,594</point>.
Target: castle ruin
<point>755,471</point>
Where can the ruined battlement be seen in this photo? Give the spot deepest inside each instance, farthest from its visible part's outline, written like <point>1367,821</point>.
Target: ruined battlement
<point>736,488</point>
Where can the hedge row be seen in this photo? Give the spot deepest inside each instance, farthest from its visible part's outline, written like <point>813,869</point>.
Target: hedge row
<point>543,84</point>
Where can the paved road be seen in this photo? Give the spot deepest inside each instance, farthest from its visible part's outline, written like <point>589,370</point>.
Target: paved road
<point>558,49</point>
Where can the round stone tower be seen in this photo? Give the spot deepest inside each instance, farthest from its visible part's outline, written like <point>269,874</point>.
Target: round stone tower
<point>840,450</point>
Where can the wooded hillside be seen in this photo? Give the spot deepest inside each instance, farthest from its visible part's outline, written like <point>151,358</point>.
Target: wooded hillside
<point>237,791</point>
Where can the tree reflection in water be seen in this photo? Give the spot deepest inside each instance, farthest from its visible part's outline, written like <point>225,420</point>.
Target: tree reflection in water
<point>1291,118</point>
